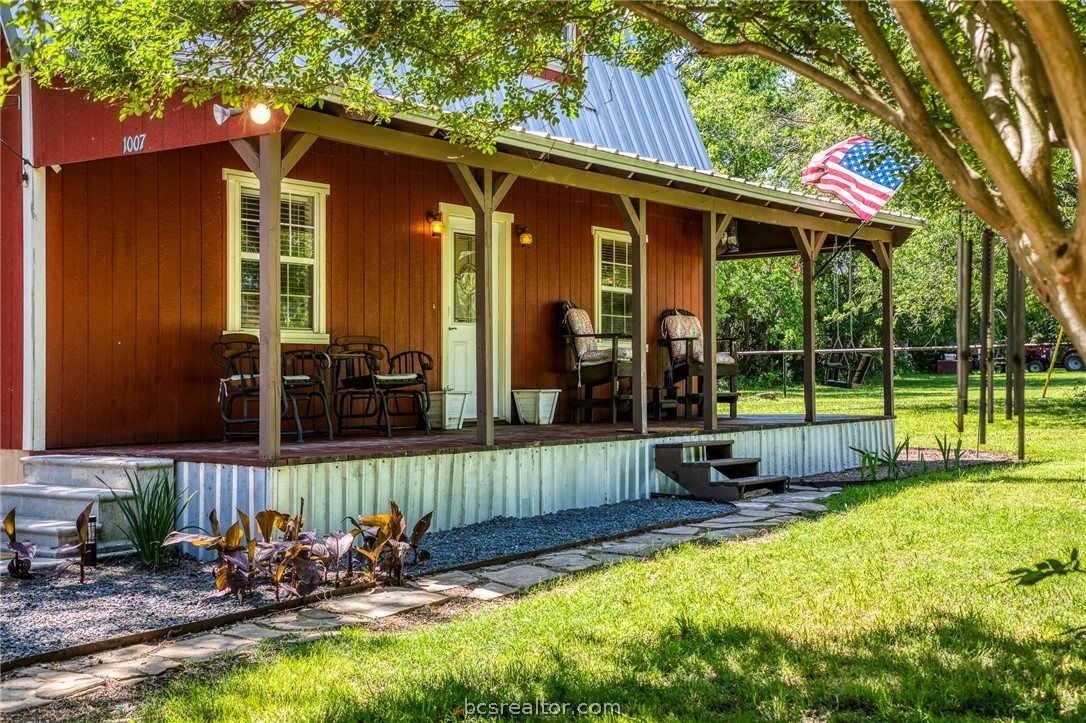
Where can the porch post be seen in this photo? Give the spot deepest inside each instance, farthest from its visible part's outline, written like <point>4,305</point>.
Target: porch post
<point>884,254</point>
<point>965,296</point>
<point>270,176</point>
<point>34,296</point>
<point>483,194</point>
<point>1020,358</point>
<point>986,364</point>
<point>1010,336</point>
<point>809,242</point>
<point>634,214</point>
<point>712,230</point>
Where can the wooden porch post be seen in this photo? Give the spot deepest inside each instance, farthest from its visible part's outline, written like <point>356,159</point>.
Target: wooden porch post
<point>1010,336</point>
<point>484,193</point>
<point>809,242</point>
<point>965,296</point>
<point>270,161</point>
<point>270,176</point>
<point>1020,358</point>
<point>712,231</point>
<point>986,362</point>
<point>634,214</point>
<point>884,255</point>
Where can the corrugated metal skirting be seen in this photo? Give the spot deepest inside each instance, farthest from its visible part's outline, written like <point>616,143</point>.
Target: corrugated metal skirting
<point>467,487</point>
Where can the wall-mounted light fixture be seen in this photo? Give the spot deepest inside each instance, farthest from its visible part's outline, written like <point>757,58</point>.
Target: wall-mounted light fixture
<point>259,113</point>
<point>731,238</point>
<point>524,236</point>
<point>436,222</point>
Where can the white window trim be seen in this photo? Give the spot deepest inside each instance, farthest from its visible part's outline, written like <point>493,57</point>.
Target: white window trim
<point>235,181</point>
<point>599,235</point>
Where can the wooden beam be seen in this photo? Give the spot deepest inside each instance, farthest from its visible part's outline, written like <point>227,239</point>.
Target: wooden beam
<point>887,328</point>
<point>712,231</point>
<point>295,149</point>
<point>483,192</point>
<point>1011,335</point>
<point>809,242</point>
<point>986,361</point>
<point>634,215</point>
<point>270,176</point>
<point>249,153</point>
<point>394,141</point>
<point>965,297</point>
<point>1020,359</point>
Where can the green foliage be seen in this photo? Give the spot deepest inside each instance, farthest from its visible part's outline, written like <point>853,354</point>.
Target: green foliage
<point>82,528</point>
<point>18,566</point>
<point>869,464</point>
<point>150,515</point>
<point>296,561</point>
<point>945,451</point>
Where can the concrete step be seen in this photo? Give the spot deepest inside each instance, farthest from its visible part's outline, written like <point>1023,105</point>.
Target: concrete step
<point>77,470</point>
<point>59,502</point>
<point>47,534</point>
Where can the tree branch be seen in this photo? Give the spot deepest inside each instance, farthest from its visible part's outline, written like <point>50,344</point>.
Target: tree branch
<point>710,49</point>
<point>1029,211</point>
<point>989,65</point>
<point>1062,55</point>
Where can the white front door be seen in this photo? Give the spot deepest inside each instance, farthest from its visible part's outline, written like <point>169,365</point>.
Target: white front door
<point>458,367</point>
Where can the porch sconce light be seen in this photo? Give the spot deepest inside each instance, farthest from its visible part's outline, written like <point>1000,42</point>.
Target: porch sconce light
<point>223,114</point>
<point>524,236</point>
<point>260,114</point>
<point>731,238</point>
<point>437,224</point>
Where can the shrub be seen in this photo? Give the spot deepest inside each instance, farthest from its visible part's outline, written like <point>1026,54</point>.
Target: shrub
<point>150,515</point>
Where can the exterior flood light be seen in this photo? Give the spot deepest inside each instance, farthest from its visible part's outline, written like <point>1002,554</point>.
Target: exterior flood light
<point>222,113</point>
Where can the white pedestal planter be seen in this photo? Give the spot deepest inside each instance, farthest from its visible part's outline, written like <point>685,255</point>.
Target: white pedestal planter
<point>447,409</point>
<point>536,406</point>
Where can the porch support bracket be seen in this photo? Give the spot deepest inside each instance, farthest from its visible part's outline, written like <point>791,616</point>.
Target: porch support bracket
<point>809,242</point>
<point>634,216</point>
<point>484,191</point>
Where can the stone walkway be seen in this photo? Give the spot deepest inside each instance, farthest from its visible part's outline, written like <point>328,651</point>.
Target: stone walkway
<point>29,688</point>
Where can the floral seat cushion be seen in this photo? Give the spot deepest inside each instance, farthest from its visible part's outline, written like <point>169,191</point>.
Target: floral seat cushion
<point>587,347</point>
<point>681,327</point>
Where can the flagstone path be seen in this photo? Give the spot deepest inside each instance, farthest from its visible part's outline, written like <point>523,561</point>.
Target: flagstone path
<point>29,688</point>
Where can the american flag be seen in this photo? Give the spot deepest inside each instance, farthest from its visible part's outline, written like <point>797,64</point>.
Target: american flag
<point>846,170</point>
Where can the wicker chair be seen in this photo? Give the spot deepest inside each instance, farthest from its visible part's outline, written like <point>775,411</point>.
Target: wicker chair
<point>683,343</point>
<point>588,367</point>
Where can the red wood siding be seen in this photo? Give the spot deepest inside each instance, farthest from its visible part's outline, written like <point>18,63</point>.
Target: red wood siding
<point>69,129</point>
<point>11,271</point>
<point>137,264</point>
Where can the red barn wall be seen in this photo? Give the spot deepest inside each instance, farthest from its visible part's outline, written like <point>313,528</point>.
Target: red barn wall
<point>11,270</point>
<point>137,264</point>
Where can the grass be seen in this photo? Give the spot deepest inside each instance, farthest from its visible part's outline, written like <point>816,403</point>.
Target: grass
<point>894,607</point>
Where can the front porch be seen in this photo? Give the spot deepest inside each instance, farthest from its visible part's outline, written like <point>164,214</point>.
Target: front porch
<point>530,470</point>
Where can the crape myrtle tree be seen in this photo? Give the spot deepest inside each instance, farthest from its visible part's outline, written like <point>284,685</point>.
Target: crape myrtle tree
<point>992,93</point>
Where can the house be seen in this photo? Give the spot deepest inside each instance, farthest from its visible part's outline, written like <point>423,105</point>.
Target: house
<point>129,247</point>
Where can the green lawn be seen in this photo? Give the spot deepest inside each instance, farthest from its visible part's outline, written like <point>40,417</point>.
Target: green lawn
<point>893,607</point>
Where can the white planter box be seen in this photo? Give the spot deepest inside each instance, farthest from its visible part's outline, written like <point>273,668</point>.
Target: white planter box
<point>536,406</point>
<point>447,409</point>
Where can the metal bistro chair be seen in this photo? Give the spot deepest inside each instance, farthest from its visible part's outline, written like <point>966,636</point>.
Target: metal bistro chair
<point>238,358</point>
<point>369,381</point>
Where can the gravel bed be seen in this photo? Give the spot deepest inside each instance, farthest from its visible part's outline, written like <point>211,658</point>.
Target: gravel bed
<point>121,598</point>
<point>503,536</point>
<point>921,460</point>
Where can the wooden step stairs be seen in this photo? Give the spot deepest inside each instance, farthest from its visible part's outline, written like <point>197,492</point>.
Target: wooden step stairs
<point>709,470</point>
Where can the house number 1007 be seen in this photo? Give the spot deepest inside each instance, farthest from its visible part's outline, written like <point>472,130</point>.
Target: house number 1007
<point>134,144</point>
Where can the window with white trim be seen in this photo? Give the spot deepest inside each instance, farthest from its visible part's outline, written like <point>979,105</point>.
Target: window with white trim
<point>614,282</point>
<point>301,245</point>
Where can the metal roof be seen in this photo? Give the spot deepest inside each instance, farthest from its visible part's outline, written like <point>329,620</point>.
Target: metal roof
<point>647,116</point>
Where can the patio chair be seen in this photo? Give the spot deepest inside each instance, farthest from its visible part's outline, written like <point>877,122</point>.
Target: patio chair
<point>369,381</point>
<point>238,358</point>
<point>588,366</point>
<point>303,382</point>
<point>684,358</point>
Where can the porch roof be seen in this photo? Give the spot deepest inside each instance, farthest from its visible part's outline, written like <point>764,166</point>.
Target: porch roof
<point>765,213</point>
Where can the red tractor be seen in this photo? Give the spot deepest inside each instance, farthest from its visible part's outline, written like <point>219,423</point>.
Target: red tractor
<point>1038,359</point>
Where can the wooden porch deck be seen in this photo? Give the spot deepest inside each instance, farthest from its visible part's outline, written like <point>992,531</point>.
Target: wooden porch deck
<point>413,443</point>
